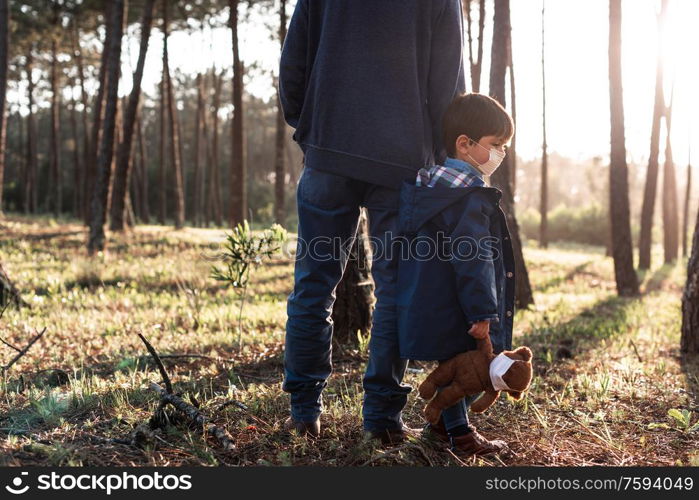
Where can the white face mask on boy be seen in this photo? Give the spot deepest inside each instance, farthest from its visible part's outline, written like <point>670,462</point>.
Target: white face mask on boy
<point>494,161</point>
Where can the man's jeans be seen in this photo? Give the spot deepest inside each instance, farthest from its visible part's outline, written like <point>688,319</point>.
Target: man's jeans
<point>328,208</point>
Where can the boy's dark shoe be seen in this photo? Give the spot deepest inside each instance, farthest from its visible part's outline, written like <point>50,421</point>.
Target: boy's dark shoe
<point>472,443</point>
<point>311,429</point>
<point>391,436</point>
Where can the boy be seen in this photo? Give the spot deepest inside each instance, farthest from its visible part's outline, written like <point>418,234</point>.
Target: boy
<point>462,287</point>
<point>364,83</point>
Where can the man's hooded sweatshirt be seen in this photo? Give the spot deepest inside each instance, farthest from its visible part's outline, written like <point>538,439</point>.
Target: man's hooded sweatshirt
<point>365,84</point>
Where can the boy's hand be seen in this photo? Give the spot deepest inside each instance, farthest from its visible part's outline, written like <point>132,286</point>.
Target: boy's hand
<point>480,329</point>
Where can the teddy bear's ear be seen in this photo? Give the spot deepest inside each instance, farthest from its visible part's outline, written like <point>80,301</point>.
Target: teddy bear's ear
<point>524,353</point>
<point>515,394</point>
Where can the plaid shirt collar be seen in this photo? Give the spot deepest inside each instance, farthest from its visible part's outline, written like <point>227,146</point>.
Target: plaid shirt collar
<point>454,173</point>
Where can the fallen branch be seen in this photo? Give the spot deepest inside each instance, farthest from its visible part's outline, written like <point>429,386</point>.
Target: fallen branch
<point>193,415</point>
<point>159,363</point>
<point>23,351</point>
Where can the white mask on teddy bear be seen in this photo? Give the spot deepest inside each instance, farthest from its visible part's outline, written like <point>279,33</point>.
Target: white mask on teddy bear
<point>498,367</point>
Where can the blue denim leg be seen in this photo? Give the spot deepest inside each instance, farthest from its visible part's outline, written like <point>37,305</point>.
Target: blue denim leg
<point>458,414</point>
<point>384,394</point>
<point>328,209</point>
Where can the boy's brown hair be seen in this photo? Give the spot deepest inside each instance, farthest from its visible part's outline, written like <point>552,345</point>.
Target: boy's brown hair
<point>475,116</point>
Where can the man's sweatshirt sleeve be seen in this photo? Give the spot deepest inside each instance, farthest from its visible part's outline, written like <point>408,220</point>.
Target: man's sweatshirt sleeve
<point>447,76</point>
<point>472,256</point>
<point>292,67</point>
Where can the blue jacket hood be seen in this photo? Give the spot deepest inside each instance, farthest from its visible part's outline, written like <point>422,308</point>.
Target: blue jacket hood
<point>418,205</point>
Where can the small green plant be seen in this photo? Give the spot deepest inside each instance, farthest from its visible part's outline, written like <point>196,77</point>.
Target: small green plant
<point>682,420</point>
<point>51,407</point>
<point>242,253</point>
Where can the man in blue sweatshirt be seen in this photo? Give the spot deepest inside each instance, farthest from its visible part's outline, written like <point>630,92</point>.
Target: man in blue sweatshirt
<point>365,84</point>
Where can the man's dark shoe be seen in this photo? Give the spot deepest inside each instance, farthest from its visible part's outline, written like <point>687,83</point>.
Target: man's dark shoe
<point>391,436</point>
<point>311,429</point>
<point>474,443</point>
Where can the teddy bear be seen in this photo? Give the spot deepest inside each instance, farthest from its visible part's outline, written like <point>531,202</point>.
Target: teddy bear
<point>472,372</point>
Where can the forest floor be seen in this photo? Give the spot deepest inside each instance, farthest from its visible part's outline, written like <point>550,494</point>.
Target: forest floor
<point>610,385</point>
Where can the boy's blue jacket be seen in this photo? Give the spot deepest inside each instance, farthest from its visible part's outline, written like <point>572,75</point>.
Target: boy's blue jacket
<point>440,293</point>
<point>365,84</point>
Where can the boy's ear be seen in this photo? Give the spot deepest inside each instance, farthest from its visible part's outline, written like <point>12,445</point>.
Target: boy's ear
<point>463,143</point>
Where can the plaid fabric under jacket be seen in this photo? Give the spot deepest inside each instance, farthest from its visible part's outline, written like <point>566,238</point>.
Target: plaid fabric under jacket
<point>454,173</point>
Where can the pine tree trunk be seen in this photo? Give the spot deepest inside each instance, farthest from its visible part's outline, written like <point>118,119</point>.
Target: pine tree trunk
<point>476,63</point>
<point>4,49</point>
<point>238,208</point>
<point>354,303</point>
<point>670,216</point>
<point>124,155</point>
<point>198,168</point>
<point>82,187</point>
<point>31,193</point>
<point>685,212</point>
<point>77,165</point>
<point>622,249</point>
<point>117,143</point>
<point>649,193</point>
<point>56,198</point>
<point>544,206</point>
<point>174,142</point>
<point>502,178</point>
<point>143,167</point>
<point>100,192</point>
<point>97,115</point>
<point>22,161</point>
<point>279,170</point>
<point>690,300</point>
<point>162,159</point>
<point>215,186</point>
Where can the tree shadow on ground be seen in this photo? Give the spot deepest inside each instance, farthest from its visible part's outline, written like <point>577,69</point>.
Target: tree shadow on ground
<point>604,319</point>
<point>554,282</point>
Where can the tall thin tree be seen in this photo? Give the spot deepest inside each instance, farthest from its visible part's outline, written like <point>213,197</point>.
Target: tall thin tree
<point>622,249</point>
<point>142,163</point>
<point>670,215</point>
<point>544,206</point>
<point>238,207</point>
<point>56,197</point>
<point>649,193</point>
<point>199,170</point>
<point>4,51</point>
<point>31,189</point>
<point>97,115</point>
<point>77,160</point>
<point>175,150</point>
<point>162,158</point>
<point>124,155</point>
<point>687,201</point>
<point>476,62</point>
<point>502,178</point>
<point>689,340</point>
<point>279,170</point>
<point>77,55</point>
<point>100,191</point>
